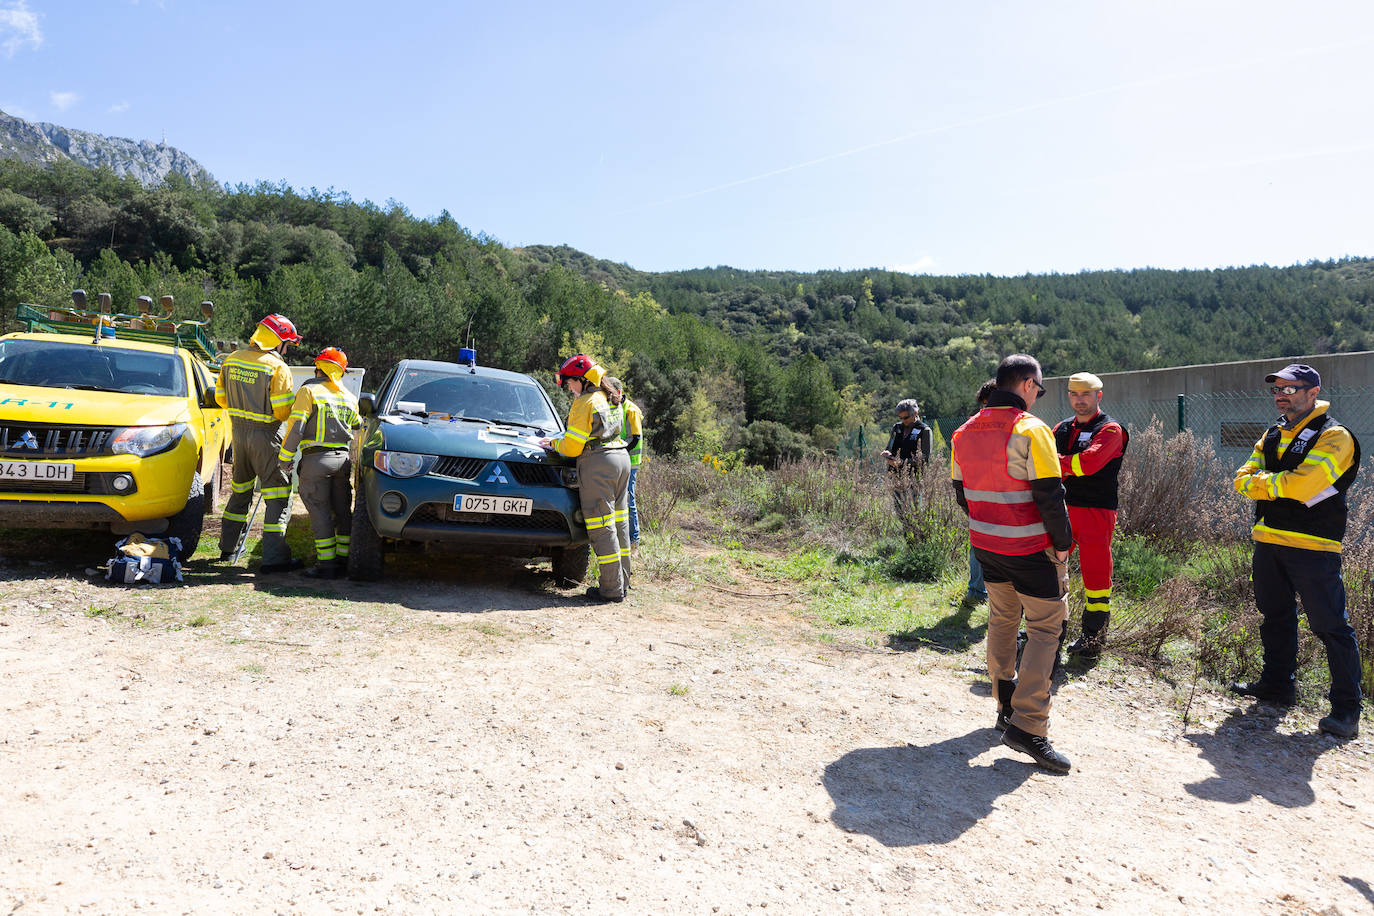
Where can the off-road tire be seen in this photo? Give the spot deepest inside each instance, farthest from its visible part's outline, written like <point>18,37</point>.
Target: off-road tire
<point>187,524</point>
<point>365,545</point>
<point>570,564</point>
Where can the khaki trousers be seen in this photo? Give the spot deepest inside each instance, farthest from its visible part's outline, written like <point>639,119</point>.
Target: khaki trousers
<point>603,479</point>
<point>1044,620</point>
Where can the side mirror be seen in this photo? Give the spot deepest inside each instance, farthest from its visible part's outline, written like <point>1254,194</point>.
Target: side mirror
<point>209,400</point>
<point>366,405</point>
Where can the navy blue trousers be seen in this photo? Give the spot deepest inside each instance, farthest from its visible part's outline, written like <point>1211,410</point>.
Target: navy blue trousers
<point>1281,575</point>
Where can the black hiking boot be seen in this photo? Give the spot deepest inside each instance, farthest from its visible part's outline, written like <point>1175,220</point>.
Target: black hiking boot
<point>1341,725</point>
<point>1004,691</point>
<point>1089,645</point>
<point>1274,694</point>
<point>594,594</point>
<point>1037,747</point>
<point>285,566</point>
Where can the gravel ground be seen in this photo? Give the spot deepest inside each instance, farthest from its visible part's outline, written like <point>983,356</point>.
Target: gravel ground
<point>475,742</point>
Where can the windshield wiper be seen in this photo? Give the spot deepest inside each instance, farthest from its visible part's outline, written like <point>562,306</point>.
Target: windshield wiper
<point>542,429</point>
<point>87,387</point>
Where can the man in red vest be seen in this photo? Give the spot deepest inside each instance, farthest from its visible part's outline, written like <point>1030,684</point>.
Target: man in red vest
<point>1006,477</point>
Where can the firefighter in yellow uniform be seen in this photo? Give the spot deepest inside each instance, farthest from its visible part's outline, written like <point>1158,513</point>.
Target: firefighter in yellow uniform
<point>321,425</point>
<point>603,473</point>
<point>256,388</point>
<point>632,431</point>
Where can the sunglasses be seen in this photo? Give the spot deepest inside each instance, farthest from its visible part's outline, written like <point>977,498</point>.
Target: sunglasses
<point>1038,385</point>
<point>1287,389</point>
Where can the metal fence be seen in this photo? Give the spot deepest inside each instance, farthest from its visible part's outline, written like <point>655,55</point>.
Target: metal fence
<point>1231,420</point>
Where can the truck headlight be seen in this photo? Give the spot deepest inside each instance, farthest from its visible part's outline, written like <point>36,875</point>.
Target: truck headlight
<point>402,464</point>
<point>143,441</point>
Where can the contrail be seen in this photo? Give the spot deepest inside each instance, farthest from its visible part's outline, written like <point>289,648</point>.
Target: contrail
<point>1006,113</point>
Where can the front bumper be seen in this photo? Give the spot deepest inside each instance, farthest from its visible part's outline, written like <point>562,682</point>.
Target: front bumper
<point>427,515</point>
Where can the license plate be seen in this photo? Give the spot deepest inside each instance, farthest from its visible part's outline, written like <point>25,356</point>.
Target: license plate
<point>500,505</point>
<point>38,470</point>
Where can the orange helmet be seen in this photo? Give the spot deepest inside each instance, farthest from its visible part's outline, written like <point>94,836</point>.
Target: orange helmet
<point>332,362</point>
<point>282,327</point>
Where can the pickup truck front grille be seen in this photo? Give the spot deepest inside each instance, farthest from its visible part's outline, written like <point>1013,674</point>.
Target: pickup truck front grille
<point>32,440</point>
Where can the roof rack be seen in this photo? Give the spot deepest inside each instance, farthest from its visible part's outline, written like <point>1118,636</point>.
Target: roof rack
<point>192,335</point>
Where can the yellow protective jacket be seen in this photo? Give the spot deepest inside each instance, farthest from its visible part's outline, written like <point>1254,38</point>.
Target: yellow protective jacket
<point>323,416</point>
<point>593,424</point>
<point>255,386</point>
<point>633,426</point>
<point>1303,506</point>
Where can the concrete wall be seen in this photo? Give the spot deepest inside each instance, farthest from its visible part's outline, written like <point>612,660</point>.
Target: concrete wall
<point>1163,386</point>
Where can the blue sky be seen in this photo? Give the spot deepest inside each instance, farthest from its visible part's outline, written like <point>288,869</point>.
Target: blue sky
<point>936,137</point>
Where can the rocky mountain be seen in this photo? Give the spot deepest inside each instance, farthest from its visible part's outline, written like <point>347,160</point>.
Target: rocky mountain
<point>149,162</point>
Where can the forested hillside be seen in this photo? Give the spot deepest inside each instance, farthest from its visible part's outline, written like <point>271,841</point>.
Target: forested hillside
<point>772,362</point>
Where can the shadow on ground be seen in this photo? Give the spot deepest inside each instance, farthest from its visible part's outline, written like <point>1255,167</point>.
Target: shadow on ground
<point>1252,760</point>
<point>887,793</point>
<point>954,633</point>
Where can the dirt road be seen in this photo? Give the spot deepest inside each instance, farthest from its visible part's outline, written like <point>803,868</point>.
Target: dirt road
<point>484,744</point>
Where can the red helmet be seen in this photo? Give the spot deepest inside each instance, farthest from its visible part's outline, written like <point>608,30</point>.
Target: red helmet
<point>332,362</point>
<point>282,327</point>
<point>574,367</point>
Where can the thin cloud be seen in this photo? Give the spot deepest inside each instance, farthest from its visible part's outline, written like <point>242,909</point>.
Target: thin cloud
<point>63,100</point>
<point>922,265</point>
<point>119,108</point>
<point>19,27</point>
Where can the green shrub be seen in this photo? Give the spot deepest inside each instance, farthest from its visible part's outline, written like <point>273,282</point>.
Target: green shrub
<point>1138,567</point>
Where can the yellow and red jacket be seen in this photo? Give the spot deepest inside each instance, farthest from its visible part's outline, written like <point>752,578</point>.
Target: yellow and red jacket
<point>1298,477</point>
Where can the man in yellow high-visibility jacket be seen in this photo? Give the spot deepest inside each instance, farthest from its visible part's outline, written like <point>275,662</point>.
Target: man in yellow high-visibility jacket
<point>1298,475</point>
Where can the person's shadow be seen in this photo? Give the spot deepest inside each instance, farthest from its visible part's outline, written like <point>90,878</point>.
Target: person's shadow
<point>908,796</point>
<point>1251,759</point>
<point>951,634</point>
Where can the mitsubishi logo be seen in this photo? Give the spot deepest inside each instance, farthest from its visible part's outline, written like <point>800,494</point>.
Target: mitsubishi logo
<point>28,440</point>
<point>497,476</point>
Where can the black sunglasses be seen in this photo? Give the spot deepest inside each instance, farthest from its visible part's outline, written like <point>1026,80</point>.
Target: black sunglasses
<point>1287,389</point>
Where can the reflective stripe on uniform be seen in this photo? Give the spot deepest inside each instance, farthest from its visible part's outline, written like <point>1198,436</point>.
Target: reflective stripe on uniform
<point>1097,599</point>
<point>245,487</point>
<point>278,528</point>
<point>1293,539</point>
<point>1007,531</point>
<point>603,561</point>
<point>251,415</point>
<point>600,521</point>
<point>1005,497</point>
<point>276,492</point>
<point>235,516</point>
<point>341,543</point>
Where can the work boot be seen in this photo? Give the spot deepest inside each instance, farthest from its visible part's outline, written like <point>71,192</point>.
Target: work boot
<point>1275,694</point>
<point>1037,747</point>
<point>325,569</point>
<point>594,594</point>
<point>1089,645</point>
<point>1341,724</point>
<point>1004,691</point>
<point>284,566</point>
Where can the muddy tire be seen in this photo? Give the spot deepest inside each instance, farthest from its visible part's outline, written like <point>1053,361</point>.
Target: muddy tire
<point>570,564</point>
<point>187,524</point>
<point>365,545</point>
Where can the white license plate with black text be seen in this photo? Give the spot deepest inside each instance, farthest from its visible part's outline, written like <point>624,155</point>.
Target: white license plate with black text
<point>499,505</point>
<point>37,470</point>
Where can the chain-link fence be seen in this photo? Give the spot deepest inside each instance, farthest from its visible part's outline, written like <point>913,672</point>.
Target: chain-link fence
<point>1234,420</point>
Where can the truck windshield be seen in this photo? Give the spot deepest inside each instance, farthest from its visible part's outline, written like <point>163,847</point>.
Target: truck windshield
<point>466,395</point>
<point>49,364</point>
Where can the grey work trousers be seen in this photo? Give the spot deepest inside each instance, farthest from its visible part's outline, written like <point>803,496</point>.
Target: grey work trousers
<point>326,485</point>
<point>603,477</point>
<point>255,459</point>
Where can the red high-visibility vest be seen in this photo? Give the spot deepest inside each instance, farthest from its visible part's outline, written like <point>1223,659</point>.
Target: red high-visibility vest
<point>1002,516</point>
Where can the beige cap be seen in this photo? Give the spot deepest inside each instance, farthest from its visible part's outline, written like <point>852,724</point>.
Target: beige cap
<point>1084,381</point>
